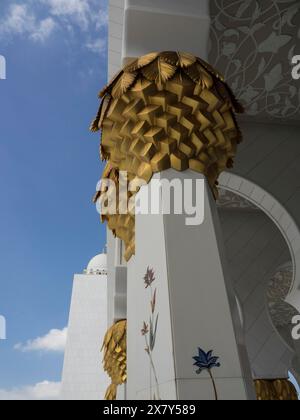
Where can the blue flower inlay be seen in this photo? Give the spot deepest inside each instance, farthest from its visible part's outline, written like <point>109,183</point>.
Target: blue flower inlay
<point>205,361</point>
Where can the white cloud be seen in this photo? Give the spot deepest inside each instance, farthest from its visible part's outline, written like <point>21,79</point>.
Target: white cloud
<point>100,19</point>
<point>37,20</point>
<point>20,20</point>
<point>43,30</point>
<point>54,341</point>
<point>79,10</point>
<point>96,45</point>
<point>41,391</point>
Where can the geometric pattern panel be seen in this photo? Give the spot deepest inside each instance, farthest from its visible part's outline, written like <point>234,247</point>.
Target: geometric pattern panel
<point>252,44</point>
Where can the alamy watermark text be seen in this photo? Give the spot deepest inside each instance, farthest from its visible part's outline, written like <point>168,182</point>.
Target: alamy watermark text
<point>296,67</point>
<point>160,197</point>
<point>2,67</point>
<point>2,328</point>
<point>296,328</point>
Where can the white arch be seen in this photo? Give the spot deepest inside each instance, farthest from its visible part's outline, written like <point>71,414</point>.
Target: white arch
<point>278,214</point>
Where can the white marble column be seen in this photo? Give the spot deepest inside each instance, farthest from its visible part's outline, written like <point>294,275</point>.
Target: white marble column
<point>166,25</point>
<point>195,307</point>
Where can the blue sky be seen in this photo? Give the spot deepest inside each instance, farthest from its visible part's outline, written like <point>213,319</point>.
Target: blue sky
<point>49,228</point>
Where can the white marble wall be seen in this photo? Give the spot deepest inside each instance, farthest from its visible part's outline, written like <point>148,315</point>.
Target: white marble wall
<point>83,375</point>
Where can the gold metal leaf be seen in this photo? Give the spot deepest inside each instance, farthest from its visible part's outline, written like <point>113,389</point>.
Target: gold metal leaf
<point>97,123</point>
<point>147,59</point>
<point>123,84</point>
<point>103,110</point>
<point>141,62</point>
<point>170,57</point>
<point>111,393</point>
<point>159,71</point>
<point>194,72</point>
<point>94,127</point>
<point>110,85</point>
<point>134,66</point>
<point>114,361</point>
<point>185,59</point>
<point>207,79</point>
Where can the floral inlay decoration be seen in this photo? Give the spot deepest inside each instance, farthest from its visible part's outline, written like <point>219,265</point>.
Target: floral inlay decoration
<point>149,330</point>
<point>206,362</point>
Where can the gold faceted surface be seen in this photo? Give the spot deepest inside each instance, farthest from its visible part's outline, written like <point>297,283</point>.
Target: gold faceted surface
<point>114,361</point>
<point>166,110</point>
<point>275,390</point>
<point>121,225</point>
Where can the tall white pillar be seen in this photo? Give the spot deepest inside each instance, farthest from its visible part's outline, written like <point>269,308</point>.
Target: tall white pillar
<point>195,308</point>
<point>195,304</point>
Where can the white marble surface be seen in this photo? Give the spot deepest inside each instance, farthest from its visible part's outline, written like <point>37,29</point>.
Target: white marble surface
<point>195,301</point>
<point>83,375</point>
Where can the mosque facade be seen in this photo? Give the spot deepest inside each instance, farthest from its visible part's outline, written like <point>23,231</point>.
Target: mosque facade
<point>209,310</point>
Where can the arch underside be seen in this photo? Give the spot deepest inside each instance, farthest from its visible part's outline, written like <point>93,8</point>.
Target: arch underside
<point>257,247</point>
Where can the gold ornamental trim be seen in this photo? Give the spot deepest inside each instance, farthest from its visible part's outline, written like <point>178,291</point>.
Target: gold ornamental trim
<point>275,390</point>
<point>115,359</point>
<point>165,110</point>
